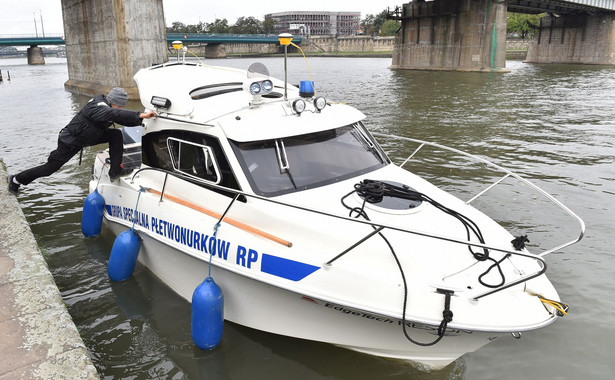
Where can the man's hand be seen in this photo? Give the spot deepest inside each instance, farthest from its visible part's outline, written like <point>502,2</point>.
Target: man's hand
<point>147,115</point>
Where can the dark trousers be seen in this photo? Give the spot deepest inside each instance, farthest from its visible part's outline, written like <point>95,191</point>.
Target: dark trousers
<point>64,153</point>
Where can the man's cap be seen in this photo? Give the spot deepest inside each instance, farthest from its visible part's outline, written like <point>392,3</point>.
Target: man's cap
<point>118,96</point>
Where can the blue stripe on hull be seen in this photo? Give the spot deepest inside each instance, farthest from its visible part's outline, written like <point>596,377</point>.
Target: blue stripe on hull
<point>289,269</point>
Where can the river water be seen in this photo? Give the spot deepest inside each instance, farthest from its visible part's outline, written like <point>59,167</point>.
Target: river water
<point>553,122</point>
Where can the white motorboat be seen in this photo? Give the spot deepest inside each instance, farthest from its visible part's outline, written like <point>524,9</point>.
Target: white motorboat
<point>291,205</point>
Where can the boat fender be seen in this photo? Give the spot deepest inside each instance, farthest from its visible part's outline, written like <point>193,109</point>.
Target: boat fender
<point>207,314</point>
<point>92,215</point>
<point>124,255</point>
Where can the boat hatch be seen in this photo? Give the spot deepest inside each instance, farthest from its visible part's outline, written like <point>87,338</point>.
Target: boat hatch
<point>402,197</point>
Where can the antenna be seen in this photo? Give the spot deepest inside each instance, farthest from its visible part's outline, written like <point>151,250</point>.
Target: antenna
<point>285,40</point>
<point>35,28</point>
<point>42,27</point>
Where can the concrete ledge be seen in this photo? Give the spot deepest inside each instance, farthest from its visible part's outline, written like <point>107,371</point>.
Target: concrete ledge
<point>39,338</point>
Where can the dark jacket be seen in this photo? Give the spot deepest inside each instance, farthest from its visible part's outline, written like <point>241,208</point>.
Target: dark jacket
<point>87,127</point>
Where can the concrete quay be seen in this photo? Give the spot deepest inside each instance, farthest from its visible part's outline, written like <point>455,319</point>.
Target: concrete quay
<point>39,340</point>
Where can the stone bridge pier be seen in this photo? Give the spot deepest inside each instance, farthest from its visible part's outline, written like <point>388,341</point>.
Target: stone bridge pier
<point>462,35</point>
<point>108,41</point>
<point>574,38</point>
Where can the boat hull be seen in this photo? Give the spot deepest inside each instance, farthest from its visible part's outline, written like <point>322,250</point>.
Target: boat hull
<point>265,307</point>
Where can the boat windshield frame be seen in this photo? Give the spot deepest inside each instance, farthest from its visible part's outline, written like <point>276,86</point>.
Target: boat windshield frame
<point>295,163</point>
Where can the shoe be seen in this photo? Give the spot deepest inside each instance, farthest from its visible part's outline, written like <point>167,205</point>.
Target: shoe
<point>122,173</point>
<point>13,187</point>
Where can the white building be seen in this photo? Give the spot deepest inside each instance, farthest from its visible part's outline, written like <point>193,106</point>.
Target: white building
<point>314,23</point>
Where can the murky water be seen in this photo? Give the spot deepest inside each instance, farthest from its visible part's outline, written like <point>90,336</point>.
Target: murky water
<point>554,122</point>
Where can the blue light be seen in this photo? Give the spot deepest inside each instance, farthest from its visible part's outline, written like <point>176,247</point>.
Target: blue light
<point>306,89</point>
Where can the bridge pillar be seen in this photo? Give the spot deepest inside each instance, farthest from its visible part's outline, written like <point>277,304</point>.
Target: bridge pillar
<point>35,55</point>
<point>215,51</point>
<point>108,41</point>
<point>455,35</point>
<point>574,38</point>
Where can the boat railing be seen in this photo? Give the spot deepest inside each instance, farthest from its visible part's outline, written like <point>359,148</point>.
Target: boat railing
<point>506,174</point>
<point>378,227</point>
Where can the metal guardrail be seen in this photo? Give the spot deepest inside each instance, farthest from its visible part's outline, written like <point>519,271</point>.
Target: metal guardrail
<point>507,174</point>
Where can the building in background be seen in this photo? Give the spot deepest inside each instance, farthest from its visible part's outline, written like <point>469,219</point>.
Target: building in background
<point>316,23</point>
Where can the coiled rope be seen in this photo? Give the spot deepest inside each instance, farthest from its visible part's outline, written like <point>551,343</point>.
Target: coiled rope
<point>373,192</point>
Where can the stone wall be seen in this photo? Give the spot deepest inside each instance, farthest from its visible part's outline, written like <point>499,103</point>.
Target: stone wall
<point>465,35</point>
<point>350,44</point>
<point>311,45</point>
<point>108,41</point>
<point>588,39</point>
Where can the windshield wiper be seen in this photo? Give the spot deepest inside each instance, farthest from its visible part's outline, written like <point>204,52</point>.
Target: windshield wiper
<point>366,142</point>
<point>283,160</point>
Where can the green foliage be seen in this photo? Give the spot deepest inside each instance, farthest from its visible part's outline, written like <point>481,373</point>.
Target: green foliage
<point>522,25</point>
<point>374,25</point>
<point>247,25</point>
<point>390,28</point>
<point>269,26</point>
<point>218,26</point>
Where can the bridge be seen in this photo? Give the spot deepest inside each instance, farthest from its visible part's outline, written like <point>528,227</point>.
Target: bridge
<point>210,38</point>
<point>470,35</point>
<point>560,6</point>
<point>108,41</point>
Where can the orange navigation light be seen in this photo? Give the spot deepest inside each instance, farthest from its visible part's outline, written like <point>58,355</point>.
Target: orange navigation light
<point>285,39</point>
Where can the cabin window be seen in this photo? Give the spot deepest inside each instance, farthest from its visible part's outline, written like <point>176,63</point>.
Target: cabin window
<point>195,155</point>
<point>194,160</point>
<point>296,163</point>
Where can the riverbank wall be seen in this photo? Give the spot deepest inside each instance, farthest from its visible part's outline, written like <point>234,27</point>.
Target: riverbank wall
<point>39,337</point>
<point>365,46</point>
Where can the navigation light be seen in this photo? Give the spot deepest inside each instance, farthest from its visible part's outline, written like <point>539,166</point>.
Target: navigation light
<point>320,103</point>
<point>306,89</point>
<point>299,106</point>
<point>285,39</point>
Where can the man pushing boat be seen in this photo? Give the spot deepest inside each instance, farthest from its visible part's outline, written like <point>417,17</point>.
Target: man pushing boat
<point>91,126</point>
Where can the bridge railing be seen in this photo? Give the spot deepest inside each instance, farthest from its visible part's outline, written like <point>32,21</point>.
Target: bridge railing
<point>228,38</point>
<point>28,40</point>
<point>212,38</point>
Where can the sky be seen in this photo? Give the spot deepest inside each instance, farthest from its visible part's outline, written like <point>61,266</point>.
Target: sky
<point>18,17</point>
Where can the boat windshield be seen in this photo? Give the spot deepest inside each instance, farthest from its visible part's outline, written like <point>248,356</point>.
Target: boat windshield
<point>280,166</point>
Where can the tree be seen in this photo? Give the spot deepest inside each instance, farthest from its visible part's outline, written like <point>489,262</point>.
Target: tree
<point>390,28</point>
<point>523,25</point>
<point>177,27</point>
<point>218,26</point>
<point>247,25</point>
<point>269,26</point>
<point>372,24</point>
<point>379,20</point>
<point>368,25</point>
